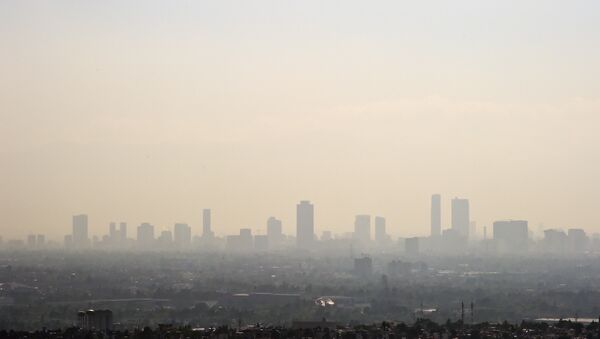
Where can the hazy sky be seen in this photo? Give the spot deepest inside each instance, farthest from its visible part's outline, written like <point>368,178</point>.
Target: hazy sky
<point>150,111</point>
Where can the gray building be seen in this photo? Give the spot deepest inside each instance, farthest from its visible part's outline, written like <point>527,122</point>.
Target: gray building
<point>511,236</point>
<point>362,228</point>
<point>380,233</point>
<point>305,224</point>
<point>461,217</point>
<point>436,215</point>
<point>80,236</point>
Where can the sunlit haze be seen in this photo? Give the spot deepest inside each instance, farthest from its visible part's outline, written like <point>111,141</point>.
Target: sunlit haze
<point>153,113</point>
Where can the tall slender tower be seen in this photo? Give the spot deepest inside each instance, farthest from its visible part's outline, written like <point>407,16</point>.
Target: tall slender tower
<point>206,228</point>
<point>305,224</point>
<point>436,215</point>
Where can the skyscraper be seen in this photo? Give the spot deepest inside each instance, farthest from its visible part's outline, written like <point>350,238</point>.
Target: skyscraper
<point>182,235</point>
<point>436,215</point>
<point>112,231</point>
<point>123,231</point>
<point>362,228</point>
<point>460,216</point>
<point>145,235</point>
<point>305,224</point>
<point>80,230</point>
<point>380,234</point>
<point>206,229</point>
<point>274,232</point>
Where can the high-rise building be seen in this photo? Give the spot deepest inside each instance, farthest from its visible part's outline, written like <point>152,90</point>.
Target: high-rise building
<point>436,215</point>
<point>305,224</point>
<point>206,227</point>
<point>578,240</point>
<point>182,235</point>
<point>380,233</point>
<point>362,228</point>
<point>123,231</point>
<point>80,231</point>
<point>274,231</point>
<point>145,235</point>
<point>511,236</point>
<point>112,231</point>
<point>460,216</point>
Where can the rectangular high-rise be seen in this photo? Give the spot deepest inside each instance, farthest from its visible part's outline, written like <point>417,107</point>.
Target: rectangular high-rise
<point>461,217</point>
<point>436,215</point>
<point>145,235</point>
<point>511,236</point>
<point>305,224</point>
<point>362,228</point>
<point>80,230</point>
<point>123,231</point>
<point>182,234</point>
<point>380,233</point>
<point>206,228</point>
<point>274,232</point>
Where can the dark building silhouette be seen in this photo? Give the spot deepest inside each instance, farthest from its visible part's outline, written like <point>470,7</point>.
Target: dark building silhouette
<point>305,224</point>
<point>461,217</point>
<point>97,320</point>
<point>436,215</point>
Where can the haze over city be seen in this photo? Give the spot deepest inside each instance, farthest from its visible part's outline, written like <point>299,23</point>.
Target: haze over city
<point>153,113</point>
<point>299,169</point>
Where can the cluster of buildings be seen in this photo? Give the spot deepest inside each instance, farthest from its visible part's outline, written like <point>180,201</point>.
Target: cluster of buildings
<point>462,236</point>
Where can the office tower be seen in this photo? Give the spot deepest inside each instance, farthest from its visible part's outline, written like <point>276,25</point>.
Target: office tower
<point>182,235</point>
<point>80,230</point>
<point>578,240</point>
<point>145,235</point>
<point>112,231</point>
<point>274,232</point>
<point>511,236</point>
<point>123,231</point>
<point>380,234</point>
<point>436,215</point>
<point>362,228</point>
<point>41,240</point>
<point>411,246</point>
<point>305,224</point>
<point>460,217</point>
<point>206,227</point>
<point>246,240</point>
